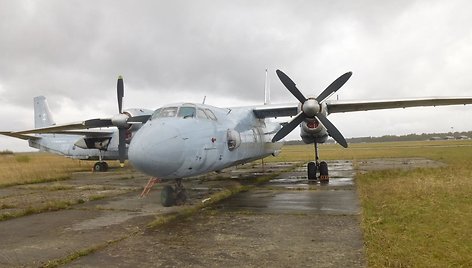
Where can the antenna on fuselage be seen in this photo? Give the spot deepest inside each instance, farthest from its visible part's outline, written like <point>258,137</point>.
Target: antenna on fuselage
<point>266,89</point>
<point>204,99</point>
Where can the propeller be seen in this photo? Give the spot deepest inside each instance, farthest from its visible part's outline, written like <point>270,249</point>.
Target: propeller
<point>311,107</point>
<point>121,121</point>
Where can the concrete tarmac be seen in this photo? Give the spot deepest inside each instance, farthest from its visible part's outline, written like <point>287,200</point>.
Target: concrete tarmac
<point>286,222</point>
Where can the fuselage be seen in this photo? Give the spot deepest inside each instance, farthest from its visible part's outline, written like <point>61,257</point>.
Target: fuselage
<point>185,139</point>
<point>65,144</point>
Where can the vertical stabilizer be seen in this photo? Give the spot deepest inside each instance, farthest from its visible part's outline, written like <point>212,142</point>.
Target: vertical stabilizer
<point>266,90</point>
<point>42,114</point>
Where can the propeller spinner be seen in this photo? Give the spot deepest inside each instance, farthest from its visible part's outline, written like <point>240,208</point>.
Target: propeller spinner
<point>311,107</point>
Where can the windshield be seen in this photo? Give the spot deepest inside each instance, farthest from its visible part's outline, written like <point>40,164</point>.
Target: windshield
<point>186,112</point>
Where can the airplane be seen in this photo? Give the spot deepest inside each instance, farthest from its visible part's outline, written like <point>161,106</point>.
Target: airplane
<point>188,139</point>
<point>86,144</point>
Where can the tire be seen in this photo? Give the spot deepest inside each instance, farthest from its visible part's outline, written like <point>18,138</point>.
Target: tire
<point>98,167</point>
<point>104,166</point>
<point>167,196</point>
<point>311,168</point>
<point>323,168</point>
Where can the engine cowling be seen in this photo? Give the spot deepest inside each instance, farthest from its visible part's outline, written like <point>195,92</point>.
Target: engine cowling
<point>311,132</point>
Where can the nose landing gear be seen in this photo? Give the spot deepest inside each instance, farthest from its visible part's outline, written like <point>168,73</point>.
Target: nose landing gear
<point>176,195</point>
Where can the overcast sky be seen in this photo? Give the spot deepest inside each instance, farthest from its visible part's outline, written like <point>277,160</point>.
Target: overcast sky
<point>172,51</point>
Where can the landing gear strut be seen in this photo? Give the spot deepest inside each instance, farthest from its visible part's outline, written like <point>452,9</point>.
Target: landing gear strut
<point>315,166</point>
<point>176,195</point>
<point>100,166</point>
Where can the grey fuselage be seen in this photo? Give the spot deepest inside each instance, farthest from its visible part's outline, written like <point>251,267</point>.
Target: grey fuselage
<point>64,144</point>
<point>170,147</point>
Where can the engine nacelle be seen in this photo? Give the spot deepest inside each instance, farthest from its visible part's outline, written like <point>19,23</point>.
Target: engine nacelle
<point>312,126</point>
<point>312,131</point>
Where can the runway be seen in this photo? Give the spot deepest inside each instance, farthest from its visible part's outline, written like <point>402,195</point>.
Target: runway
<point>283,222</point>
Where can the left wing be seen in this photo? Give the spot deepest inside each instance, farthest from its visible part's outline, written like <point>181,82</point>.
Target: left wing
<point>280,110</point>
<point>366,105</point>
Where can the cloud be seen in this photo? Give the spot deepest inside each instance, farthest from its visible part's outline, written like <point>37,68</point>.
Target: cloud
<point>73,51</point>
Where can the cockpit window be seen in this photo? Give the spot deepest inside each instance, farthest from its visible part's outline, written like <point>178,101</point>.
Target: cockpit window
<point>168,112</point>
<point>210,114</point>
<point>186,112</point>
<point>155,114</point>
<point>201,114</point>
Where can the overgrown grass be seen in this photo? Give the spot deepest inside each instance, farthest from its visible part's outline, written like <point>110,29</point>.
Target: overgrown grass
<point>421,217</point>
<point>24,168</point>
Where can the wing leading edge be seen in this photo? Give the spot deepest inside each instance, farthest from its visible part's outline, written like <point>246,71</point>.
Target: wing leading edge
<point>280,110</point>
<point>367,105</point>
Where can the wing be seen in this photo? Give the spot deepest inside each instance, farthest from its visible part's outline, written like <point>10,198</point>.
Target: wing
<point>72,128</point>
<point>80,128</point>
<point>280,110</point>
<point>275,110</point>
<point>366,105</point>
<point>18,136</point>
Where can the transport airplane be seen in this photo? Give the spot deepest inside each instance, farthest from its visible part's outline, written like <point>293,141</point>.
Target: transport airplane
<point>188,139</point>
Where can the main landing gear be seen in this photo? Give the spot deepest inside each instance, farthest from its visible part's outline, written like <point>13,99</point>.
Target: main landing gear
<point>315,166</point>
<point>176,195</point>
<point>100,166</point>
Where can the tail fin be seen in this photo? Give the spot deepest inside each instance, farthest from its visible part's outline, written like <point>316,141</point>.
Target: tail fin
<point>42,114</point>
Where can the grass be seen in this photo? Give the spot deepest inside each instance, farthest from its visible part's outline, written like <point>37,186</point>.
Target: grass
<point>422,217</point>
<point>25,168</point>
<point>411,218</point>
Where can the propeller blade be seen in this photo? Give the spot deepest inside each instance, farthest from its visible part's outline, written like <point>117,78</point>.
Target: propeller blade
<point>285,130</point>
<point>138,119</point>
<point>120,92</point>
<point>98,122</point>
<point>290,85</point>
<point>332,130</point>
<point>333,87</point>
<point>121,145</point>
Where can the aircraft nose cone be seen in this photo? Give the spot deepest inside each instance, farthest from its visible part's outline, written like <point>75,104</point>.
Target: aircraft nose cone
<point>156,150</point>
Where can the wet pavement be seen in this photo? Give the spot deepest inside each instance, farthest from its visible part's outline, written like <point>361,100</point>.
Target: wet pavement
<point>286,222</point>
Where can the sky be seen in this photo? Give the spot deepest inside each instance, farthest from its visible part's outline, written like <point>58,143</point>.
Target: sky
<point>180,51</point>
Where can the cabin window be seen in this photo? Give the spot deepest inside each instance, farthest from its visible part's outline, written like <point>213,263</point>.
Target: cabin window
<point>201,114</point>
<point>187,112</point>
<point>210,114</point>
<point>168,112</point>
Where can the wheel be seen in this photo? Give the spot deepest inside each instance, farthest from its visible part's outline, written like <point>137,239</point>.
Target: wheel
<point>98,167</point>
<point>167,196</point>
<point>323,168</point>
<point>104,166</point>
<point>311,168</point>
<point>324,177</point>
<point>181,197</point>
